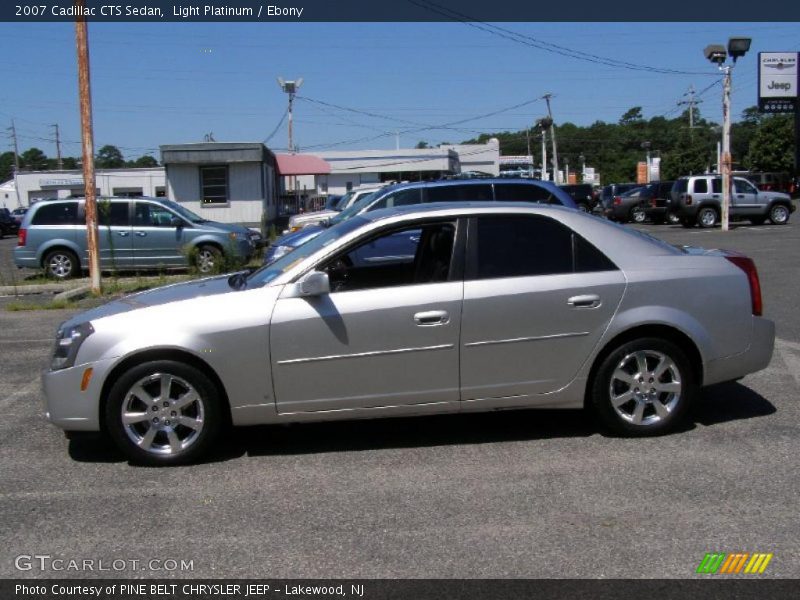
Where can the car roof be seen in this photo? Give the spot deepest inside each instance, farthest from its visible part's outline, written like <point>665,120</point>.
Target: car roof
<point>462,208</point>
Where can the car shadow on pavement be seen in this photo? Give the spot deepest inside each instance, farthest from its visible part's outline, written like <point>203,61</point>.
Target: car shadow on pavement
<point>730,401</point>
<point>717,404</point>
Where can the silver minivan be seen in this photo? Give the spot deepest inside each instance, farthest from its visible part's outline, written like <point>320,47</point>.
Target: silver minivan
<point>133,233</point>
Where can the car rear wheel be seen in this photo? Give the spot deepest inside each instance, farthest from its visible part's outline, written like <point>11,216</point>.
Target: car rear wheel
<point>209,259</point>
<point>779,214</point>
<point>163,413</point>
<point>638,215</point>
<point>61,264</point>
<point>643,387</point>
<point>673,219</point>
<point>707,217</point>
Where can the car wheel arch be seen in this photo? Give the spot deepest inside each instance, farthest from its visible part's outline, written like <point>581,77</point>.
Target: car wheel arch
<point>651,330</point>
<point>58,244</point>
<point>154,354</point>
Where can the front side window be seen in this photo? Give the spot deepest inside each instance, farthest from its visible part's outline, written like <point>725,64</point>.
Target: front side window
<point>519,246</point>
<point>407,256</point>
<point>744,187</point>
<point>63,213</point>
<point>152,215</point>
<point>214,185</point>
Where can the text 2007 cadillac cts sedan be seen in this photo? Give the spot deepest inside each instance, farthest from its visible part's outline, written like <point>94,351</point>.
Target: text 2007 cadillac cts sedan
<point>417,310</point>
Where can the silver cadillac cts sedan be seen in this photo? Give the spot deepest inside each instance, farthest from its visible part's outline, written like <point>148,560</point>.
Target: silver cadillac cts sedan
<point>411,311</point>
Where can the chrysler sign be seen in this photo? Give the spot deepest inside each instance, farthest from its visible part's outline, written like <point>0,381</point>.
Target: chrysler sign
<point>777,81</point>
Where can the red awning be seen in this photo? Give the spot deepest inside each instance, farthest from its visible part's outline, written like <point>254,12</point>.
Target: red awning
<point>301,164</point>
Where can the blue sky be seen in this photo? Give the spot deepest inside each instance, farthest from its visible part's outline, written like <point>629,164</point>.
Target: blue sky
<point>161,83</point>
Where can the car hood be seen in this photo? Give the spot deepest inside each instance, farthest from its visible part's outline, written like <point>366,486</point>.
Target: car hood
<point>299,237</point>
<point>210,286</point>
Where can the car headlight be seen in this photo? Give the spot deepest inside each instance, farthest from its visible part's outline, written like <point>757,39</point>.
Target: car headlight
<point>277,252</point>
<point>68,342</point>
<point>235,235</point>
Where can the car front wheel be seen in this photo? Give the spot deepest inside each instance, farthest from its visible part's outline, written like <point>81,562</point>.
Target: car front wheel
<point>209,259</point>
<point>779,214</point>
<point>163,413</point>
<point>638,215</point>
<point>643,387</point>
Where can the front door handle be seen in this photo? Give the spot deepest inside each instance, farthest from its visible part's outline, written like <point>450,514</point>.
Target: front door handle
<point>585,301</point>
<point>431,317</point>
<point>123,233</point>
<point>141,233</point>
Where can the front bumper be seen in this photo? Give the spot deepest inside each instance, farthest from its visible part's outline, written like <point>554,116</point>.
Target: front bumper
<point>757,356</point>
<point>66,406</point>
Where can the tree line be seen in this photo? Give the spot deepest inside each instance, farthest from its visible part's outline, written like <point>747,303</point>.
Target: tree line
<point>33,159</point>
<point>759,142</point>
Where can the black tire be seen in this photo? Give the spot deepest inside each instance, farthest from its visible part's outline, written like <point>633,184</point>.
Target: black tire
<point>208,259</point>
<point>61,264</point>
<point>659,220</point>
<point>687,223</point>
<point>758,220</point>
<point>608,380</point>
<point>779,214</point>
<point>205,413</point>
<point>707,217</point>
<point>638,215</point>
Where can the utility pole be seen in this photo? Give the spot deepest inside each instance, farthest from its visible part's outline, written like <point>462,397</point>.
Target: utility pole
<point>290,87</point>
<point>553,138</point>
<point>726,145</point>
<point>691,102</point>
<point>58,148</point>
<point>543,126</point>
<point>87,139</point>
<point>13,131</point>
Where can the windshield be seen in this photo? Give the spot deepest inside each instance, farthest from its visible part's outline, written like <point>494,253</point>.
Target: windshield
<point>269,272</point>
<point>184,212</point>
<point>353,210</point>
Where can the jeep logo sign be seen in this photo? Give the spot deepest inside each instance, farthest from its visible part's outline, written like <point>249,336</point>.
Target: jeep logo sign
<point>777,81</point>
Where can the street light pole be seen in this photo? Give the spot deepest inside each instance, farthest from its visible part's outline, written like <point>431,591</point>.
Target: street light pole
<point>726,146</point>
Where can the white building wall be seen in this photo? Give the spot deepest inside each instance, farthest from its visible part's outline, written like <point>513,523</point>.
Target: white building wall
<point>37,185</point>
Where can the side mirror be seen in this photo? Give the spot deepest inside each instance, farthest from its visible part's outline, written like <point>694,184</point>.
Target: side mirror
<point>315,283</point>
<point>176,222</point>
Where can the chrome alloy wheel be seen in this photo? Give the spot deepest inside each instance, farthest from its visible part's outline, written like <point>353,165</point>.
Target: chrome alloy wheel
<point>162,414</point>
<point>708,218</point>
<point>206,260</point>
<point>60,265</point>
<point>645,387</point>
<point>779,214</point>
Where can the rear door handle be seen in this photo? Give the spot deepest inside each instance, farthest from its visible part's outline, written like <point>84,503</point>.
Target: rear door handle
<point>123,233</point>
<point>141,233</point>
<point>431,317</point>
<point>585,301</point>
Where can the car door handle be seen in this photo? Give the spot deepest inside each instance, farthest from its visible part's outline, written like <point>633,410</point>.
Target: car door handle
<point>431,317</point>
<point>141,233</point>
<point>586,301</point>
<point>123,233</point>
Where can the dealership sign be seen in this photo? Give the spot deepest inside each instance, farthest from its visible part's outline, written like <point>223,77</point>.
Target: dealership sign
<point>777,81</point>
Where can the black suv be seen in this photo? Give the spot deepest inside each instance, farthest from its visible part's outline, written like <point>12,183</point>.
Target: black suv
<point>8,225</point>
<point>655,200</point>
<point>612,204</point>
<point>584,195</point>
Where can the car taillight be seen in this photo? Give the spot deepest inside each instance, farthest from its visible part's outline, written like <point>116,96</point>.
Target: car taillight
<point>653,202</point>
<point>22,235</point>
<point>687,199</point>
<point>617,200</point>
<point>749,267</point>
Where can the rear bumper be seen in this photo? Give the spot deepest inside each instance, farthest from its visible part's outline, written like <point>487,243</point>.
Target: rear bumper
<point>23,257</point>
<point>757,356</point>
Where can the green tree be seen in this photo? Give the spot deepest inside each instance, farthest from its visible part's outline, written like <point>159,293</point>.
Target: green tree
<point>144,162</point>
<point>772,146</point>
<point>33,159</point>
<point>6,166</point>
<point>421,145</point>
<point>70,162</point>
<point>109,157</point>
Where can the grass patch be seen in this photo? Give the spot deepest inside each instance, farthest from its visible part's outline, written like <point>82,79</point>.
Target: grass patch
<point>51,305</point>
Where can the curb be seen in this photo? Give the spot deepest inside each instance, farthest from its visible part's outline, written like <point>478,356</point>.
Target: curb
<point>74,293</point>
<point>26,290</point>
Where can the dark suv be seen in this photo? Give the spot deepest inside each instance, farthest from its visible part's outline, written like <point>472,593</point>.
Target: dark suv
<point>8,225</point>
<point>583,194</point>
<point>612,204</point>
<point>654,202</point>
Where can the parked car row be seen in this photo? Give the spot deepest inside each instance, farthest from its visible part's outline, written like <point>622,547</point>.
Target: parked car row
<point>8,223</point>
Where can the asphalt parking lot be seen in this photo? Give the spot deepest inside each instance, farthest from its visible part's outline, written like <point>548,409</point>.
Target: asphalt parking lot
<point>512,494</point>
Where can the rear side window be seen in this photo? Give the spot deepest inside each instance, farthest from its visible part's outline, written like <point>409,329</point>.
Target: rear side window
<point>512,246</point>
<point>701,186</point>
<point>114,214</point>
<point>716,185</point>
<point>63,213</point>
<point>521,192</point>
<point>459,193</point>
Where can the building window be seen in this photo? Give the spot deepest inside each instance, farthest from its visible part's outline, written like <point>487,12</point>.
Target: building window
<point>214,185</point>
